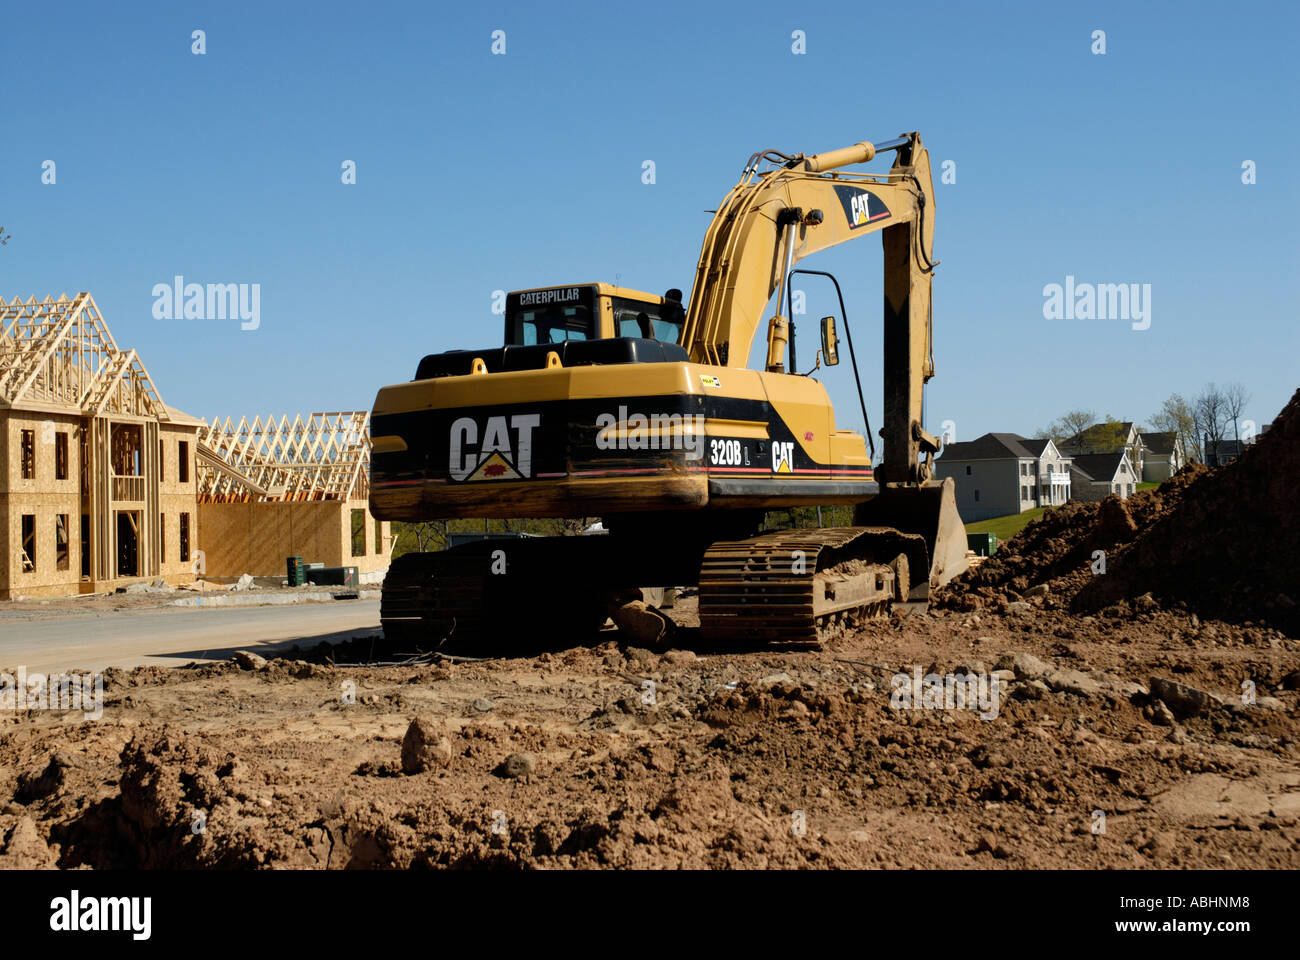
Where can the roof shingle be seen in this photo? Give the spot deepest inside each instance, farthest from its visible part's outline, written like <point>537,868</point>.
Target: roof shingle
<point>995,446</point>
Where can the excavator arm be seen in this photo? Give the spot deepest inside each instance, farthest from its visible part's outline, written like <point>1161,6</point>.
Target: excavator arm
<point>799,205</point>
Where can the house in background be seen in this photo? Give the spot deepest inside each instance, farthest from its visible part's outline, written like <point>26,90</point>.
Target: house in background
<point>1113,437</point>
<point>98,487</point>
<point>1162,456</point>
<point>999,474</point>
<point>1095,476</point>
<point>103,484</point>
<point>1225,451</point>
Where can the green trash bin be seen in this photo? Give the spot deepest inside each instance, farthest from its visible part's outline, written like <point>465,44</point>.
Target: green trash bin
<point>984,544</point>
<point>296,570</point>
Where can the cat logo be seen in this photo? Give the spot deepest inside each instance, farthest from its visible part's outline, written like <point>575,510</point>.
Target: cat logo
<point>783,456</point>
<point>506,453</point>
<point>495,467</point>
<point>861,207</point>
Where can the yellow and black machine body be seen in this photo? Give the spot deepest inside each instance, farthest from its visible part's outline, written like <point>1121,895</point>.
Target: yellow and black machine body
<point>640,409</point>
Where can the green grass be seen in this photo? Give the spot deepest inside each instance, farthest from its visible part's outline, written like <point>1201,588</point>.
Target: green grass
<point>1006,527</point>
<point>1146,486</point>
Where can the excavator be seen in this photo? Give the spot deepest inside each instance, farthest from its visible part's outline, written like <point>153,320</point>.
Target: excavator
<point>639,409</point>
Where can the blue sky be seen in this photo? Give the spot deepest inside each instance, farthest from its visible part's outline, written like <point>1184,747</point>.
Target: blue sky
<point>478,172</point>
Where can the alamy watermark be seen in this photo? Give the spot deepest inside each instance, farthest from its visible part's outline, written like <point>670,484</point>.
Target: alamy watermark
<point>953,691</point>
<point>75,914</point>
<point>55,691</point>
<point>1100,301</point>
<point>656,431</point>
<point>179,300</point>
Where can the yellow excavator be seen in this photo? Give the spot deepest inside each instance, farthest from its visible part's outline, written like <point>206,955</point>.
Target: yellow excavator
<point>639,409</point>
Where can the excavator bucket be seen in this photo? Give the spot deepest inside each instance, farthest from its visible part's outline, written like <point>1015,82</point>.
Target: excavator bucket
<point>928,509</point>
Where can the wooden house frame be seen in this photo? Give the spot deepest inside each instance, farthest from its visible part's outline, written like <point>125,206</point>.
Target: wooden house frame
<point>85,435</point>
<point>273,488</point>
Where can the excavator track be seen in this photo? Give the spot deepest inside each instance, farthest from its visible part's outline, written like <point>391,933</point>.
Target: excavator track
<point>429,596</point>
<point>510,593</point>
<point>792,586</point>
<point>802,586</point>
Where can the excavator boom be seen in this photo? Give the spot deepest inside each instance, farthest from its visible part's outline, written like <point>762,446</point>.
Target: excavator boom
<point>798,206</point>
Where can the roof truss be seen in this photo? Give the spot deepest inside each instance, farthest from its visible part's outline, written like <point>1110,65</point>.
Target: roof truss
<point>325,456</point>
<point>60,352</point>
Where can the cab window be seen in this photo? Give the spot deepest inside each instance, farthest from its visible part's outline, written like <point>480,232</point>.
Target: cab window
<point>555,324</point>
<point>634,318</point>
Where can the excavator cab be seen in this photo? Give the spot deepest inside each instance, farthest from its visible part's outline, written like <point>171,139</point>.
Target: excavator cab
<point>591,311</point>
<point>552,315</point>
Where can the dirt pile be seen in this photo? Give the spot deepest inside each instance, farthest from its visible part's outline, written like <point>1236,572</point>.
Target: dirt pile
<point>1222,542</point>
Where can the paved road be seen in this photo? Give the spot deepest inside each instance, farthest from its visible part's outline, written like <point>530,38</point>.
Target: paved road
<point>172,637</point>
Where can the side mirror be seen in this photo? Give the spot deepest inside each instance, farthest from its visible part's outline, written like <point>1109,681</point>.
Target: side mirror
<point>830,342</point>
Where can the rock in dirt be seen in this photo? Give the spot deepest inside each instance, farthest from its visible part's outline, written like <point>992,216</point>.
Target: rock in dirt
<point>1072,681</point>
<point>1161,714</point>
<point>520,765</point>
<point>1025,665</point>
<point>425,746</point>
<point>1041,590</point>
<point>641,622</point>
<point>1182,700</point>
<point>1127,688</point>
<point>247,660</point>
<point>989,844</point>
<point>483,705</point>
<point>1031,690</point>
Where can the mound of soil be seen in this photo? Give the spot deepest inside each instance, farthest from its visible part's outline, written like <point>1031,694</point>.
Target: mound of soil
<point>1222,542</point>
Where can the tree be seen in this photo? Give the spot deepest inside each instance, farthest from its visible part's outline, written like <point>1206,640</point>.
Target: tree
<point>1068,425</point>
<point>418,537</point>
<point>1210,411</point>
<point>1108,437</point>
<point>1077,421</point>
<point>1177,417</point>
<point>1235,398</point>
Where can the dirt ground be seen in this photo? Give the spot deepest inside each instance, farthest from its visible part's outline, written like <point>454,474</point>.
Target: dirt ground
<point>745,759</point>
